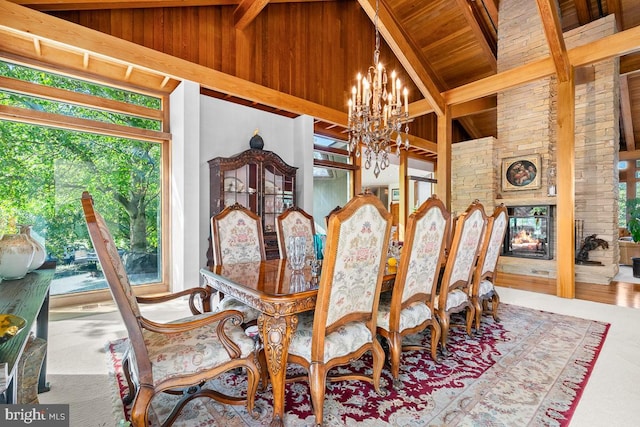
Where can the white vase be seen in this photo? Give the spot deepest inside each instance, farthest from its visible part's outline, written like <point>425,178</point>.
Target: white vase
<point>39,254</point>
<point>16,254</point>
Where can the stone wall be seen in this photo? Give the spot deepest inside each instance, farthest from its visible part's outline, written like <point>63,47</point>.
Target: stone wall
<point>527,125</point>
<point>473,166</point>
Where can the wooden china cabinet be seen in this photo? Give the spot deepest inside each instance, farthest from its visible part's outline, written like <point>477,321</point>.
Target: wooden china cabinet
<point>260,181</point>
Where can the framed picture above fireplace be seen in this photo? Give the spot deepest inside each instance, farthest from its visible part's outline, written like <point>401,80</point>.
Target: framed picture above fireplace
<point>521,173</point>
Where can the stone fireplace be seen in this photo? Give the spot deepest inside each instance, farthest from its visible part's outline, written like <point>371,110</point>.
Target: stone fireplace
<point>526,117</point>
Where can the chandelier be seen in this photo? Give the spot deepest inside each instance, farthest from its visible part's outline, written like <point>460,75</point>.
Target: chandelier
<point>375,113</point>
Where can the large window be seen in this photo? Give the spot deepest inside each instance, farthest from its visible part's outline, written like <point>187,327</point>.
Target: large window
<point>64,136</point>
<point>332,178</point>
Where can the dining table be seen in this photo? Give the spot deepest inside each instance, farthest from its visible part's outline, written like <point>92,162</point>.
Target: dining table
<point>279,293</point>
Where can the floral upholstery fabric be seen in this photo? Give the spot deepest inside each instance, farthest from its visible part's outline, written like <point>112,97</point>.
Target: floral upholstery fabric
<point>112,251</point>
<point>344,340</point>
<point>296,224</point>
<point>357,263</point>
<point>486,287</point>
<point>184,353</point>
<point>468,247</point>
<point>410,317</point>
<point>493,250</point>
<point>455,298</point>
<point>239,238</point>
<point>425,251</point>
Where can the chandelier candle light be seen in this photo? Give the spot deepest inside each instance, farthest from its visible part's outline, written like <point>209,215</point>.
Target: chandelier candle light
<point>376,113</point>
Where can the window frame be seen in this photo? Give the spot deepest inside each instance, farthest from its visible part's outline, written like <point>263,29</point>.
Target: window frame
<point>48,119</point>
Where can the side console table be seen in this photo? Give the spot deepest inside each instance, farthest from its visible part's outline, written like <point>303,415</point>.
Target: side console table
<point>29,299</point>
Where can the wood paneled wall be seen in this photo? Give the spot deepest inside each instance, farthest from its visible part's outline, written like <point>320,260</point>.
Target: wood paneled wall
<point>289,47</point>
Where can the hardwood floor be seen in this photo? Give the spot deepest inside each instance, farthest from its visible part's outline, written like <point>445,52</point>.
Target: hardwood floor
<point>617,293</point>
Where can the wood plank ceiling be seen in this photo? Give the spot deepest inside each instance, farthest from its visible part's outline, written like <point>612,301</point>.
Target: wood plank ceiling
<point>311,50</point>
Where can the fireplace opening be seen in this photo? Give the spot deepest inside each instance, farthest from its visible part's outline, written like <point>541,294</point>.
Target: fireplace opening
<point>529,233</point>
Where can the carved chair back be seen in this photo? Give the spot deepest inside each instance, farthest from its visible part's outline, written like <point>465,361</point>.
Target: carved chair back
<point>455,286</point>
<point>490,250</point>
<point>411,307</point>
<point>119,285</point>
<point>295,222</point>
<point>484,276</point>
<point>423,252</point>
<point>353,268</point>
<point>237,236</point>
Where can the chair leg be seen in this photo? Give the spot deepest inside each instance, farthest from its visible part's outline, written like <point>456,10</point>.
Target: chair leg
<point>262,365</point>
<point>435,338</point>
<point>495,302</point>
<point>395,348</point>
<point>478,306</point>
<point>471,315</point>
<point>253,377</point>
<point>378,363</point>
<point>444,325</point>
<point>317,384</point>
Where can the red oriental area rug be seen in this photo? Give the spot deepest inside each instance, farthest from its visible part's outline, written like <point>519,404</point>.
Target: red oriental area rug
<point>529,369</point>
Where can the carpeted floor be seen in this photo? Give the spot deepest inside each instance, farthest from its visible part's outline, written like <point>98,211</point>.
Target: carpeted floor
<point>529,369</point>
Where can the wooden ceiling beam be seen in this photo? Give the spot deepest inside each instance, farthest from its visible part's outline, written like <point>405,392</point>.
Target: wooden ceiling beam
<point>501,81</point>
<point>419,108</point>
<point>51,5</point>
<point>613,6</point>
<point>423,144</point>
<point>625,114</point>
<point>476,106</point>
<point>479,34</point>
<point>470,127</point>
<point>583,11</point>
<point>492,10</point>
<point>630,64</point>
<point>406,54</point>
<point>621,43</point>
<point>247,11</point>
<point>629,155</point>
<point>555,39</point>
<point>618,44</point>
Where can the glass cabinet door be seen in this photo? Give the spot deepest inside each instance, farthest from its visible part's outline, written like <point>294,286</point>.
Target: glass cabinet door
<point>240,186</point>
<point>278,196</point>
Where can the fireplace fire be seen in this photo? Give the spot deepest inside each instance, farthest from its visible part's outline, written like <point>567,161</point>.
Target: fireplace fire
<point>529,233</point>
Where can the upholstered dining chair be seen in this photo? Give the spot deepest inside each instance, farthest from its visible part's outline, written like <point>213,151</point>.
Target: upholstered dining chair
<point>171,357</point>
<point>343,326</point>
<point>455,286</point>
<point>483,289</point>
<point>236,235</point>
<point>410,307</point>
<point>294,222</point>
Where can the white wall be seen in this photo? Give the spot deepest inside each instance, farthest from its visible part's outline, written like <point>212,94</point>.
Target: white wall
<point>185,186</point>
<point>303,159</point>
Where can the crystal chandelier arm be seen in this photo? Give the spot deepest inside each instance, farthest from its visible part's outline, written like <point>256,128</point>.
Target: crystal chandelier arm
<point>375,114</point>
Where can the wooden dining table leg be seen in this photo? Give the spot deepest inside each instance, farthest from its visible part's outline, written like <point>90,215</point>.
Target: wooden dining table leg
<point>276,331</point>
